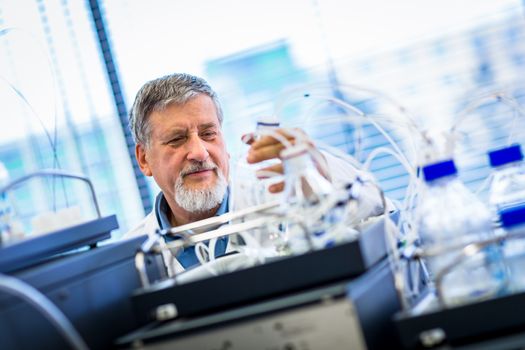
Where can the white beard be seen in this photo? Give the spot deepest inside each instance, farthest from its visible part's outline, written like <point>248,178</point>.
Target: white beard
<point>200,200</point>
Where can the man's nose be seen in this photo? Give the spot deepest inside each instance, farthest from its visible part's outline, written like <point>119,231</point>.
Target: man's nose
<point>197,149</point>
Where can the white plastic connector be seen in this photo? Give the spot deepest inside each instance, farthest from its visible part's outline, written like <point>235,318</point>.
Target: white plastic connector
<point>166,312</point>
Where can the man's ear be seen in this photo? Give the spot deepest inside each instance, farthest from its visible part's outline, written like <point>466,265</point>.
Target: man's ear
<point>140,154</point>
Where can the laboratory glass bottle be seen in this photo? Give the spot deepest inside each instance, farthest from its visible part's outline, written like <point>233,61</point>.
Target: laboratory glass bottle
<point>513,224</point>
<point>450,217</point>
<point>507,188</point>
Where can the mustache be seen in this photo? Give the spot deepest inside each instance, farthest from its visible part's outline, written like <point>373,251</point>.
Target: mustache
<point>196,166</point>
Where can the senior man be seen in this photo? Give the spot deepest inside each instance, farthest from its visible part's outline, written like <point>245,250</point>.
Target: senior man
<point>176,124</point>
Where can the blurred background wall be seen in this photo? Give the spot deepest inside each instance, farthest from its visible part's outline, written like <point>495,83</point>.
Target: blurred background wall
<point>69,71</point>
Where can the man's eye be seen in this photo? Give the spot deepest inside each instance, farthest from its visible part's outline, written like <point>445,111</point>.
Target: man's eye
<point>208,134</point>
<point>176,140</point>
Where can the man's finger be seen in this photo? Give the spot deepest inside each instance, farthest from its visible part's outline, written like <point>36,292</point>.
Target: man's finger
<point>268,140</point>
<point>276,188</point>
<point>248,138</point>
<point>264,153</point>
<point>270,171</point>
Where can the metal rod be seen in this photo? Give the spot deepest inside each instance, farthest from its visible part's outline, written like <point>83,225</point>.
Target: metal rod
<point>221,219</point>
<point>433,251</point>
<point>467,252</point>
<point>140,265</point>
<point>220,232</point>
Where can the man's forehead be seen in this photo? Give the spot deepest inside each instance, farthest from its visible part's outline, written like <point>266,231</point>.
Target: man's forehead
<point>200,126</point>
<point>177,115</point>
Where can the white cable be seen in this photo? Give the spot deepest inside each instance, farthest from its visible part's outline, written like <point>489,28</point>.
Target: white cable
<point>479,101</point>
<point>212,244</point>
<point>349,107</point>
<point>410,190</point>
<point>377,151</point>
<point>251,246</point>
<point>518,111</point>
<point>299,93</point>
<point>199,248</point>
<point>361,119</point>
<point>485,183</point>
<point>339,154</point>
<point>357,121</point>
<point>513,128</point>
<point>43,305</point>
<point>498,96</point>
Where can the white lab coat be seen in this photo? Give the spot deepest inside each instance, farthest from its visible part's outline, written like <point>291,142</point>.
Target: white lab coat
<point>340,171</point>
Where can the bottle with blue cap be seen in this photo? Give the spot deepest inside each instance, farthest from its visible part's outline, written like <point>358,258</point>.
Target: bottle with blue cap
<point>507,187</point>
<point>450,217</point>
<point>513,223</point>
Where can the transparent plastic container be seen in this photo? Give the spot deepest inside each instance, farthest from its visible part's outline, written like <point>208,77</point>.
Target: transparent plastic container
<point>507,188</point>
<point>247,189</point>
<point>513,223</point>
<point>305,190</point>
<point>450,217</point>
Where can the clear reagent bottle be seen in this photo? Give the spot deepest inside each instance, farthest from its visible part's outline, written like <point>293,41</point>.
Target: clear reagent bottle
<point>507,188</point>
<point>450,217</point>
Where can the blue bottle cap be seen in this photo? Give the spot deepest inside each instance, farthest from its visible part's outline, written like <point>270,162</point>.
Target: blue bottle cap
<point>268,121</point>
<point>505,155</point>
<point>438,170</point>
<point>512,216</point>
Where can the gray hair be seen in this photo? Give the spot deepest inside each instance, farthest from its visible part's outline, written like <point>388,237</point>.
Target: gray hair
<point>157,94</point>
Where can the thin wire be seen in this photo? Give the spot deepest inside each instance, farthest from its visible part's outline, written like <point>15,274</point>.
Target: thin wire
<point>57,82</point>
<point>51,139</point>
<point>20,95</point>
<point>373,122</point>
<point>199,248</point>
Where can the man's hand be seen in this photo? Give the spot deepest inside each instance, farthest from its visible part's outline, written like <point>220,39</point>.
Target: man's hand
<point>270,147</point>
